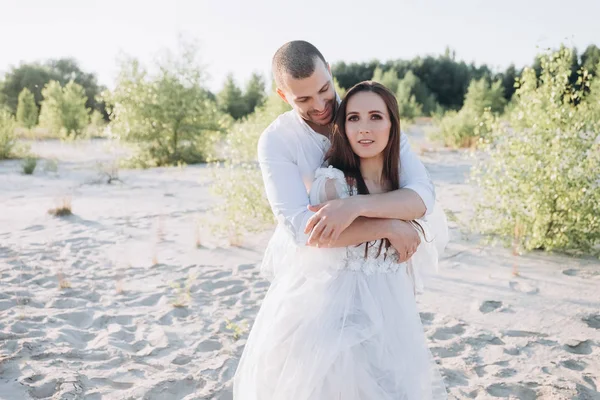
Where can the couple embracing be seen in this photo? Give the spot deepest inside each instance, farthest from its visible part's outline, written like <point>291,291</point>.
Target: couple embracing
<point>358,229</point>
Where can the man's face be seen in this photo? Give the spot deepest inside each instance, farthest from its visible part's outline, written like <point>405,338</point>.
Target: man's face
<point>313,97</point>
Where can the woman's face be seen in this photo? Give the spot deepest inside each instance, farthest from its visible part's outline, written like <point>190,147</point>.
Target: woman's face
<point>367,124</point>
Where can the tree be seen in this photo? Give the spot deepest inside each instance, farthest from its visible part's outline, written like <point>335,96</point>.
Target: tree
<point>408,106</point>
<point>67,69</point>
<point>590,59</point>
<point>508,79</point>
<point>254,95</point>
<point>389,79</point>
<point>482,95</point>
<point>230,99</point>
<point>27,111</point>
<point>168,117</point>
<point>421,92</point>
<point>63,109</point>
<point>31,76</point>
<point>35,76</point>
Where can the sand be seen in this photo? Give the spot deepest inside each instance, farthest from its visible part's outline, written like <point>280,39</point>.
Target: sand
<point>118,301</point>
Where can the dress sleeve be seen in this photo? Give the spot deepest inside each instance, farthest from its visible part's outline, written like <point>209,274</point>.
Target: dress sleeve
<point>329,184</point>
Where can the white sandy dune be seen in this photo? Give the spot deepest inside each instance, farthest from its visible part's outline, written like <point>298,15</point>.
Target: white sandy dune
<point>143,313</point>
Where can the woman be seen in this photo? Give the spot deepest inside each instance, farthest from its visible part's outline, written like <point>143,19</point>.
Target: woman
<point>342,323</point>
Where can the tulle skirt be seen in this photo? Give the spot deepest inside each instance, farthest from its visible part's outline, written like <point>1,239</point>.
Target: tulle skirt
<point>325,332</point>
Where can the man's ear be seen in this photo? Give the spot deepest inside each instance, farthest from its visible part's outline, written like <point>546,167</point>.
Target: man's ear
<point>282,95</point>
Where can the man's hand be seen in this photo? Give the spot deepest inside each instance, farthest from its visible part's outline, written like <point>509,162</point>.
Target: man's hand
<point>404,238</point>
<point>331,219</point>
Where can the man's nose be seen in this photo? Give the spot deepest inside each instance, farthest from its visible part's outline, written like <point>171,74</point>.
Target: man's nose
<point>320,104</point>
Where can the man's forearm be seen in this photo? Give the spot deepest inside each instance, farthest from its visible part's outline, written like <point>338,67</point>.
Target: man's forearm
<point>404,204</point>
<point>363,230</point>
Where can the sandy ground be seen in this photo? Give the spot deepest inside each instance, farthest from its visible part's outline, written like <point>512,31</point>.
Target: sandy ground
<point>145,313</point>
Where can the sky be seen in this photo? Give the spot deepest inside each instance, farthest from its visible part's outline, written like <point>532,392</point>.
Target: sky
<point>240,37</point>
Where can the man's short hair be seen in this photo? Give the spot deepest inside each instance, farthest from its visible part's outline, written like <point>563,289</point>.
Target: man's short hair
<point>297,58</point>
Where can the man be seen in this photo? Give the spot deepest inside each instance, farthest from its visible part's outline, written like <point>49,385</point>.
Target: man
<point>292,148</point>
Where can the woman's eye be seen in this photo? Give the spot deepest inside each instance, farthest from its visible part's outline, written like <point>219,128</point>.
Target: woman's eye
<point>376,116</point>
<point>353,118</point>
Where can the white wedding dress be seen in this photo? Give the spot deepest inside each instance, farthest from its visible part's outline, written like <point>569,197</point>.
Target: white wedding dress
<point>335,325</point>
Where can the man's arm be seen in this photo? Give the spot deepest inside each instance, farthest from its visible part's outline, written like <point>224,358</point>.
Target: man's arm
<point>402,235</point>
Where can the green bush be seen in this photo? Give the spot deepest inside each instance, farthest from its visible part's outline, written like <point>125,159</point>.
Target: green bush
<point>466,127</point>
<point>63,109</point>
<point>29,164</point>
<point>27,112</point>
<point>96,125</point>
<point>168,117</point>
<point>8,138</point>
<point>238,181</point>
<point>540,179</point>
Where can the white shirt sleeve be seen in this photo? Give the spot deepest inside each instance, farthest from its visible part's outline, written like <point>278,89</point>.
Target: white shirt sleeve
<point>414,175</point>
<point>285,189</point>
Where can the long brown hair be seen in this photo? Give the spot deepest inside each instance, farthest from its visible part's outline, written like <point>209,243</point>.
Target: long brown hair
<point>342,157</point>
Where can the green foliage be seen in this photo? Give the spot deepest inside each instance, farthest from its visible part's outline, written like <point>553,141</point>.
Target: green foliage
<point>414,98</point>
<point>407,103</point>
<point>481,95</point>
<point>389,79</point>
<point>254,95</point>
<point>341,92</point>
<point>465,127</point>
<point>36,76</point>
<point>27,112</point>
<point>63,109</point>
<point>167,117</point>
<point>442,77</point>
<point>97,124</point>
<point>238,181</point>
<point>540,180</point>
<point>231,100</point>
<point>8,139</point>
<point>423,96</point>
<point>590,59</point>
<point>29,164</point>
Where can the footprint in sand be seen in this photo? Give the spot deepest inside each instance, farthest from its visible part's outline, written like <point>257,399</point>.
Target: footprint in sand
<point>517,333</point>
<point>489,306</point>
<point>593,321</point>
<point>454,377</point>
<point>426,317</point>
<point>578,347</point>
<point>483,340</point>
<point>455,350</point>
<point>523,287</point>
<point>446,333</point>
<point>510,390</point>
<point>570,272</point>
<point>506,373</point>
<point>573,365</point>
